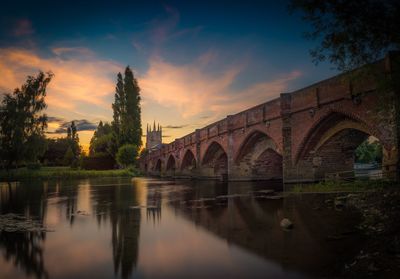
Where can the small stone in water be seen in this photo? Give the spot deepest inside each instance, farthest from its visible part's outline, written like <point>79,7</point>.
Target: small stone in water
<point>286,224</point>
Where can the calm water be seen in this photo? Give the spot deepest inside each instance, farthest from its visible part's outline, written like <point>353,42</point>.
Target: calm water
<point>145,228</point>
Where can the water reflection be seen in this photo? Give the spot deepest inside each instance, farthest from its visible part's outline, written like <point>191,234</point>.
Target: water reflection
<point>115,227</point>
<point>24,250</point>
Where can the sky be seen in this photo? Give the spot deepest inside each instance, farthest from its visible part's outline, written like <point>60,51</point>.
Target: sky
<point>195,61</point>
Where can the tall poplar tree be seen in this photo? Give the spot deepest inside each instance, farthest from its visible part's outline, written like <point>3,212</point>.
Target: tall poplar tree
<point>126,123</point>
<point>118,109</point>
<point>132,129</point>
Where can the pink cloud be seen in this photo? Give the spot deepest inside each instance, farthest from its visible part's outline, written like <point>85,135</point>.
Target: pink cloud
<point>192,90</point>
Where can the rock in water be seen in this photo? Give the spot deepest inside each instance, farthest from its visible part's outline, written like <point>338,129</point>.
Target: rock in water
<point>286,224</point>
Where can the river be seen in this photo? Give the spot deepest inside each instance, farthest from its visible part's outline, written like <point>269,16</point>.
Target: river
<point>151,228</point>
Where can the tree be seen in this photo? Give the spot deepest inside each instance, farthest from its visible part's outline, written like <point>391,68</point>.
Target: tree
<point>55,152</point>
<point>73,140</point>
<point>102,141</point>
<point>118,108</point>
<point>22,123</point>
<point>131,126</point>
<point>351,32</point>
<point>368,152</point>
<point>127,155</point>
<point>126,123</point>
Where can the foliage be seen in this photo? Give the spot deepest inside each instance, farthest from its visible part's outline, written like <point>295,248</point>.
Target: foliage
<point>351,32</point>
<point>21,122</point>
<point>102,141</point>
<point>126,123</point>
<point>101,151</point>
<point>338,186</point>
<point>369,152</point>
<point>100,161</point>
<point>33,166</point>
<point>127,155</point>
<point>63,173</point>
<point>69,157</point>
<point>73,151</point>
<point>55,152</point>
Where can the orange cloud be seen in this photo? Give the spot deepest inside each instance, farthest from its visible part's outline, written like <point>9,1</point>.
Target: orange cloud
<point>193,90</point>
<point>77,82</point>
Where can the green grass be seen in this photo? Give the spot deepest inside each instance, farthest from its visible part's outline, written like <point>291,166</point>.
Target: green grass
<point>340,186</point>
<point>64,172</point>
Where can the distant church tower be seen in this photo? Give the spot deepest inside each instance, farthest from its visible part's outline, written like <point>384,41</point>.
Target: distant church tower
<point>153,137</point>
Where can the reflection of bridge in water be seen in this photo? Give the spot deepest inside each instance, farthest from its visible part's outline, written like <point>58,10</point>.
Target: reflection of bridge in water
<point>322,241</point>
<point>300,136</point>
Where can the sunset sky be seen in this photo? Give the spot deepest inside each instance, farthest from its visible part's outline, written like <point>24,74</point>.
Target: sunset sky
<point>196,61</point>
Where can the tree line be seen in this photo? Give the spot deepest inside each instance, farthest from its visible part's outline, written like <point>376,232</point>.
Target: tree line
<point>23,125</point>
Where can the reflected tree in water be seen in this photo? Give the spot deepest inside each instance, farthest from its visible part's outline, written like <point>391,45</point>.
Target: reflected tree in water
<point>114,203</point>
<point>24,249</point>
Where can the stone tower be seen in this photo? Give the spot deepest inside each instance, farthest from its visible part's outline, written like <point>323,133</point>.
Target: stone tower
<point>153,136</point>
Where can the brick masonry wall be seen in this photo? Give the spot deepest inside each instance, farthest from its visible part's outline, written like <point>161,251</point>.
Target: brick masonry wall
<point>300,135</point>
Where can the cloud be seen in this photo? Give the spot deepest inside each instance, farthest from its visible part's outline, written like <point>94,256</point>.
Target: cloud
<point>73,52</point>
<point>23,27</point>
<point>81,125</point>
<point>54,119</point>
<point>162,28</point>
<point>80,86</point>
<point>175,126</point>
<point>193,90</point>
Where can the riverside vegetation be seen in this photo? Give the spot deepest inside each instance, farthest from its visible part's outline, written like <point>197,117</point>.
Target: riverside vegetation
<point>25,147</point>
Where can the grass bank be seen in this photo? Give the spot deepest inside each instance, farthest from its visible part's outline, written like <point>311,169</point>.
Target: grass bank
<point>343,186</point>
<point>63,173</point>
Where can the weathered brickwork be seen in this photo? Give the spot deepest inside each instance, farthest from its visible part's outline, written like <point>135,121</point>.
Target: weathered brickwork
<point>300,136</point>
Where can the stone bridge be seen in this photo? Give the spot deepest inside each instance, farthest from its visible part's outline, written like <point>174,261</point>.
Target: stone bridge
<point>299,136</point>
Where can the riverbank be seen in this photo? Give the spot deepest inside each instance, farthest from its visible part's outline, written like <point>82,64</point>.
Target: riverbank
<point>380,256</point>
<point>343,186</point>
<point>378,201</point>
<point>64,173</point>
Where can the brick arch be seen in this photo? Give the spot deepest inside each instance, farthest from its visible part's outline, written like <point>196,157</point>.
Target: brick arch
<point>188,160</point>
<point>208,150</point>
<point>247,141</point>
<point>328,125</point>
<point>221,140</point>
<point>171,163</point>
<point>259,157</point>
<point>216,158</point>
<point>158,165</point>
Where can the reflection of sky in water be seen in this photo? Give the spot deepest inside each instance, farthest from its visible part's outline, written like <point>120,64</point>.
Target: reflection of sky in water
<point>99,233</point>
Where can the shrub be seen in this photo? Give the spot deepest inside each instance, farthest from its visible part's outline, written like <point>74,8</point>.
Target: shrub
<point>33,166</point>
<point>97,162</point>
<point>127,155</point>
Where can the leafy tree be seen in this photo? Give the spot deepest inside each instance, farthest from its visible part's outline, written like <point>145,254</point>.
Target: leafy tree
<point>369,152</point>
<point>69,157</point>
<point>22,123</point>
<point>102,140</point>
<point>127,155</point>
<point>73,141</point>
<point>55,152</point>
<point>126,123</point>
<point>118,108</point>
<point>131,125</point>
<point>351,32</point>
